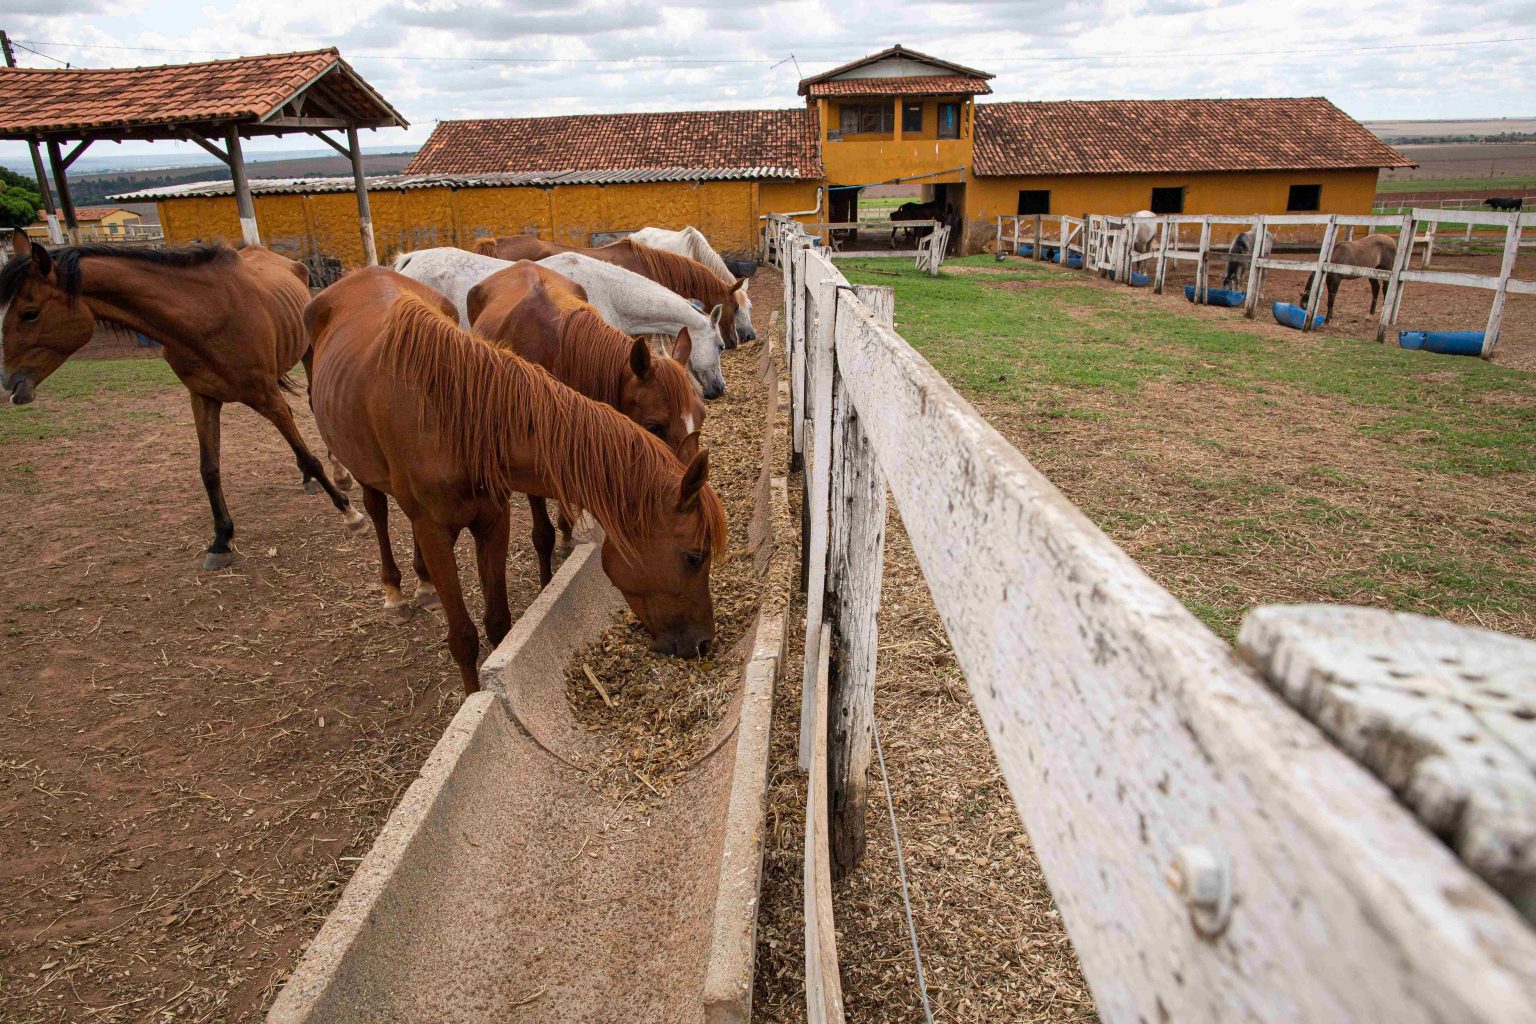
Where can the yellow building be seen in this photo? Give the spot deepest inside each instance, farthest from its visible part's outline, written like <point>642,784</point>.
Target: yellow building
<point>98,224</point>
<point>894,116</point>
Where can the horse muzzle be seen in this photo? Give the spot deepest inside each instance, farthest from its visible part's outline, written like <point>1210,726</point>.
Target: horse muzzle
<point>18,387</point>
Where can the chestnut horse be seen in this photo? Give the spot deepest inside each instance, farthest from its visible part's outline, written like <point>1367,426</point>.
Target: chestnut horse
<point>231,323</point>
<point>687,277</point>
<point>544,317</point>
<point>452,427</point>
<point>1373,252</point>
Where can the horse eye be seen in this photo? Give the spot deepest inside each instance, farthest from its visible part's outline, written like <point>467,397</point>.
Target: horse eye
<point>656,428</point>
<point>29,315</point>
<point>694,559</point>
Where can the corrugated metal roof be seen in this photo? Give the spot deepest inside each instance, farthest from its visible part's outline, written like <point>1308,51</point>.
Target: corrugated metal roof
<point>405,182</point>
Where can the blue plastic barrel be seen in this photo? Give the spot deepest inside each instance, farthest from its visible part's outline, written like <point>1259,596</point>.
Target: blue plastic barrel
<point>1074,260</point>
<point>1026,249</point>
<point>1448,343</point>
<point>1216,296</point>
<point>1292,315</point>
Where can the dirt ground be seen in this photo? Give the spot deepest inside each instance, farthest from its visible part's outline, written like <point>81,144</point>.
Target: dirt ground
<point>994,947</point>
<point>1424,307</point>
<point>193,762</point>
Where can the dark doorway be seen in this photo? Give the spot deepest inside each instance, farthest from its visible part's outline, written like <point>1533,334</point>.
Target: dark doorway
<point>1167,200</point>
<point>1034,200</point>
<point>1304,199</point>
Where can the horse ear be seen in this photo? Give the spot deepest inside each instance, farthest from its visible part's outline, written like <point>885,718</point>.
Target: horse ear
<point>640,358</point>
<point>42,263</point>
<point>694,479</point>
<point>715,315</point>
<point>739,282</point>
<point>689,448</point>
<point>20,243</point>
<point>682,348</point>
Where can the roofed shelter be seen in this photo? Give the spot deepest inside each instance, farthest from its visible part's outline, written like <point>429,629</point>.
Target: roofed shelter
<point>209,103</point>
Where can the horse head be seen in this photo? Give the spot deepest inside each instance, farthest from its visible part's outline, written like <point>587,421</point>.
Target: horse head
<point>45,320</point>
<point>666,578</point>
<point>658,394</point>
<point>736,323</point>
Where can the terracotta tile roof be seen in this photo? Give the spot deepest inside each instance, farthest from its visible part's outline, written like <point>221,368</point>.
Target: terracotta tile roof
<point>921,85</point>
<point>897,51</point>
<point>85,214</point>
<point>1156,136</point>
<point>781,143</point>
<point>72,100</point>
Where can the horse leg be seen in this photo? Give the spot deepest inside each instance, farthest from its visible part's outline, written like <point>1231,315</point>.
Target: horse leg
<point>1375,285</point>
<point>339,473</point>
<point>426,590</point>
<point>377,504</point>
<point>1333,293</point>
<point>205,415</point>
<point>276,410</point>
<point>492,535</point>
<point>543,538</point>
<point>564,524</point>
<point>435,542</point>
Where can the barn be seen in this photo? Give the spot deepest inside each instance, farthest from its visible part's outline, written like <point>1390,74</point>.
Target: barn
<point>897,116</point>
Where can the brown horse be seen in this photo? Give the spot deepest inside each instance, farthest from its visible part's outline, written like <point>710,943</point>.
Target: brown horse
<point>545,318</point>
<point>687,277</point>
<point>231,323</point>
<point>1373,252</point>
<point>452,427</point>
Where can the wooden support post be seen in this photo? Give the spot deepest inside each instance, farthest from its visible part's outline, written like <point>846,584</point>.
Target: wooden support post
<point>818,487</point>
<point>243,204</point>
<point>50,212</point>
<point>364,217</point>
<point>1506,268</point>
<point>856,558</point>
<point>1429,244</point>
<point>1203,262</point>
<point>1393,293</point>
<point>1039,236</point>
<point>1260,243</point>
<point>66,204</point>
<point>794,348</point>
<point>823,978</point>
<point>1324,256</point>
<point>1160,276</point>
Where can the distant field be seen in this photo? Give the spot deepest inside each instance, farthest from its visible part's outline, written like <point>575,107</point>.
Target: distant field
<point>1389,130</point>
<point>1519,183</point>
<point>1463,161</point>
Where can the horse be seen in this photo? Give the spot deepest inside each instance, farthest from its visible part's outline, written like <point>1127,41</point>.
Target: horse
<point>691,242</point>
<point>633,304</point>
<point>231,324</point>
<point>452,427</point>
<point>1143,232</point>
<point>545,318</point>
<point>1373,252</point>
<point>1510,203</point>
<point>688,278</point>
<point>932,210</point>
<point>1243,243</point>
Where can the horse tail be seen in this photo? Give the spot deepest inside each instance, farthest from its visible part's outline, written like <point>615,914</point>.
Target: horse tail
<point>287,384</point>
<point>402,261</point>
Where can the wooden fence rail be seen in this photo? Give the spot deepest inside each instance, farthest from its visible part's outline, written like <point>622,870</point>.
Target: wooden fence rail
<point>1215,858</point>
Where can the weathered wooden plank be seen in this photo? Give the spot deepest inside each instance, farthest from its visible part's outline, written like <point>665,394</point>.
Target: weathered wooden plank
<point>1483,217</point>
<point>1392,298</point>
<point>1255,283</point>
<point>823,980</point>
<point>1132,740</point>
<point>822,282</point>
<point>1444,714</point>
<point>1506,268</point>
<point>1323,253</point>
<point>855,566</point>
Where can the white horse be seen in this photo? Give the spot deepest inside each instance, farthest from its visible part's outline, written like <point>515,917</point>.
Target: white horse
<point>691,242</point>
<point>634,304</point>
<point>1143,231</point>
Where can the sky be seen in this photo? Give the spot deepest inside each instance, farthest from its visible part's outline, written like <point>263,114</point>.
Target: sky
<point>444,59</point>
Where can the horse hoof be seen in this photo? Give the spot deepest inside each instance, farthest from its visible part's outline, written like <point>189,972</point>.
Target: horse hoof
<point>401,609</point>
<point>426,596</point>
<point>217,559</point>
<point>355,519</point>
<point>311,486</point>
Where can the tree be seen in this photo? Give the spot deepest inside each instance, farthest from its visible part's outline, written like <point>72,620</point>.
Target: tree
<point>18,207</point>
<point>10,177</point>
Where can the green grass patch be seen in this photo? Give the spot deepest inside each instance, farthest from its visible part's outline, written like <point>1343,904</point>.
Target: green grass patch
<point>1518,181</point>
<point>68,403</point>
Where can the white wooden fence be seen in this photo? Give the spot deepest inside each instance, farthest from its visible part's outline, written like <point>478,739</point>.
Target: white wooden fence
<point>1109,248</point>
<point>1214,857</point>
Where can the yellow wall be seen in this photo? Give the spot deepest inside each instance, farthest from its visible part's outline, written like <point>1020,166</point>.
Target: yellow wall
<point>1235,193</point>
<point>726,211</point>
<point>867,157</point>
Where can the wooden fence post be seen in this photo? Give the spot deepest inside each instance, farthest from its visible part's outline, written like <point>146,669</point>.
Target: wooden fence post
<point>1324,256</point>
<point>1161,276</point>
<point>1039,236</point>
<point>823,979</point>
<point>855,566</point>
<point>1203,262</point>
<point>794,324</point>
<point>1259,240</point>
<point>1393,293</point>
<point>1506,268</point>
<point>823,296</point>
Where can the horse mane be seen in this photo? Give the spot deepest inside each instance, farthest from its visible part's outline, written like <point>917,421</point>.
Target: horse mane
<point>494,407</point>
<point>594,360</point>
<point>485,246</point>
<point>66,261</point>
<point>681,274</point>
